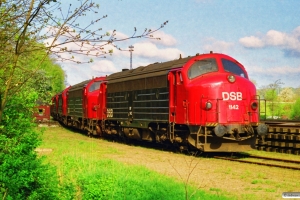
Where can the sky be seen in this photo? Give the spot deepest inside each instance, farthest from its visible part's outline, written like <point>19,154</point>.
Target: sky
<point>262,35</point>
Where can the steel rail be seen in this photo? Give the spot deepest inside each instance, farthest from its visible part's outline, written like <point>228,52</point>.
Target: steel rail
<point>274,159</point>
<point>257,163</point>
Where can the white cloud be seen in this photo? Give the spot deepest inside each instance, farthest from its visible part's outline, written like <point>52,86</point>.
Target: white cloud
<point>274,71</point>
<point>286,41</point>
<point>251,42</point>
<point>104,66</point>
<point>150,50</point>
<point>211,44</point>
<point>146,51</point>
<point>119,35</point>
<point>165,39</point>
<point>287,74</point>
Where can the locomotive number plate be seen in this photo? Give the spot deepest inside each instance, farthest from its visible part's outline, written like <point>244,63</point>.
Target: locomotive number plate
<point>110,113</point>
<point>233,107</point>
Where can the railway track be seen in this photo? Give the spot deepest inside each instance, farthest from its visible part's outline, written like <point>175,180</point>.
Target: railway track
<point>261,160</point>
<point>282,137</point>
<point>48,123</point>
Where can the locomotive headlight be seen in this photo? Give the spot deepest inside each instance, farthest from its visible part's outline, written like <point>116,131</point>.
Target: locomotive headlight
<point>254,105</point>
<point>208,105</point>
<point>231,78</point>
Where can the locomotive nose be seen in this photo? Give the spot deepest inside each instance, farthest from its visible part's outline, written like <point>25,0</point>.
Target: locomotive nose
<point>262,129</point>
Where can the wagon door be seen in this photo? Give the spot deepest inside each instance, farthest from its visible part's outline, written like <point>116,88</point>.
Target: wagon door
<point>84,101</point>
<point>102,101</point>
<point>178,104</point>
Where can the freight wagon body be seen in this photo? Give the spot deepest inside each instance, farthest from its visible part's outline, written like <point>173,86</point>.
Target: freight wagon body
<point>205,101</point>
<point>62,106</point>
<point>42,113</point>
<point>54,107</point>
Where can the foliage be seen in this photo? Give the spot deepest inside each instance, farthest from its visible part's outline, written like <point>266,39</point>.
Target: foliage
<point>286,95</point>
<point>295,114</point>
<point>297,92</point>
<point>280,110</point>
<point>82,164</point>
<point>270,93</point>
<point>30,37</point>
<point>33,30</point>
<point>23,175</point>
<point>116,181</point>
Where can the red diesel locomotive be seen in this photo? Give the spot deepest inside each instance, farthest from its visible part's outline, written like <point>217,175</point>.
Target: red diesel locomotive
<point>205,102</point>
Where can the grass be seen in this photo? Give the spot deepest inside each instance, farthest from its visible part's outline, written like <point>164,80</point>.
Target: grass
<point>274,155</point>
<point>85,172</point>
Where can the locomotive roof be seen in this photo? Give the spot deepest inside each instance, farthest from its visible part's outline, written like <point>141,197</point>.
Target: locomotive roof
<point>154,69</point>
<point>80,85</point>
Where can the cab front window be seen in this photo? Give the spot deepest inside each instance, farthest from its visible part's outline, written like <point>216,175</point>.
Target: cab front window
<point>233,67</point>
<point>201,67</point>
<point>94,86</point>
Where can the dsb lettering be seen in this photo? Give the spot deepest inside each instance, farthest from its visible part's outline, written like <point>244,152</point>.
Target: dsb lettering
<point>232,96</point>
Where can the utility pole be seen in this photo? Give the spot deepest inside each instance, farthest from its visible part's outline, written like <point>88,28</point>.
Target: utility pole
<point>131,50</point>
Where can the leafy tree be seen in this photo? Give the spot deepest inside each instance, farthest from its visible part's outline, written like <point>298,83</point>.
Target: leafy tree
<point>297,92</point>
<point>295,114</point>
<point>286,95</point>
<point>270,93</point>
<point>25,63</point>
<point>25,24</point>
<point>23,176</point>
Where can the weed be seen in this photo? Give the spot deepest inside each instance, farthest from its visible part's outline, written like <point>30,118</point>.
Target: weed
<point>270,190</point>
<point>255,181</point>
<point>257,188</point>
<point>84,173</point>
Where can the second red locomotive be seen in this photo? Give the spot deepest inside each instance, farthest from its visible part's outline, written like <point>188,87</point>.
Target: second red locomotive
<point>205,102</point>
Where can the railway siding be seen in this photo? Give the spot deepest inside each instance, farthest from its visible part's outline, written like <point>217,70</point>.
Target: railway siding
<point>262,160</point>
<point>283,137</point>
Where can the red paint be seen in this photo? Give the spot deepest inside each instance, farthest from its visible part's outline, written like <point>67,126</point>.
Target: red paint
<point>91,98</point>
<point>62,102</point>
<point>42,113</point>
<point>231,102</point>
<point>101,107</point>
<point>54,106</point>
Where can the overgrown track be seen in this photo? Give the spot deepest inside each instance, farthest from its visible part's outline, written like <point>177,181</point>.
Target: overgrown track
<point>283,136</point>
<point>266,161</point>
<point>48,123</point>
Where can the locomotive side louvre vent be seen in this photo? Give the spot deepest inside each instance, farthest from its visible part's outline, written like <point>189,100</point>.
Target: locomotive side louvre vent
<point>157,94</point>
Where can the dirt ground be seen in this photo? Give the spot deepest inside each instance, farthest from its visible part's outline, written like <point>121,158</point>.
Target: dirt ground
<point>243,181</point>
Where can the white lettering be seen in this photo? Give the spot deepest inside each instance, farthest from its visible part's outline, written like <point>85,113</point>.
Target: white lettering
<point>239,96</point>
<point>225,96</point>
<point>110,113</point>
<point>232,96</point>
<point>233,107</point>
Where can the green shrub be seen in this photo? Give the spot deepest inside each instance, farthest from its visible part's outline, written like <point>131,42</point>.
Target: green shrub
<point>113,180</point>
<point>23,174</point>
<point>295,114</point>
